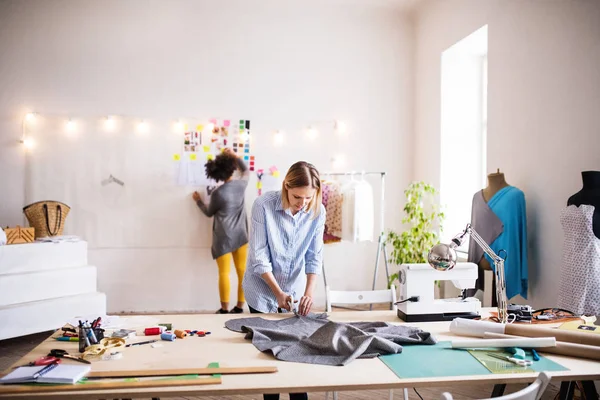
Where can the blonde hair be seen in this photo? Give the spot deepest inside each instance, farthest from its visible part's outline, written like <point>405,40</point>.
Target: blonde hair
<point>303,174</point>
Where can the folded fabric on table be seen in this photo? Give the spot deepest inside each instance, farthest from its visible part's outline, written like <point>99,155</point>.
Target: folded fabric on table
<point>314,339</point>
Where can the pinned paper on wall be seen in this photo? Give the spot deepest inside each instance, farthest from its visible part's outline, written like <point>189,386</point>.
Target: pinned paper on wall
<point>267,181</point>
<point>202,145</point>
<point>192,141</point>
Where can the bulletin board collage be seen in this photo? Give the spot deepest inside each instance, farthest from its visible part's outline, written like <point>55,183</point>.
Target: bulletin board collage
<point>204,142</point>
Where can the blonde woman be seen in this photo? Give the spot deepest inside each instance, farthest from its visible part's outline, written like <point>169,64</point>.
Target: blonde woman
<point>286,243</point>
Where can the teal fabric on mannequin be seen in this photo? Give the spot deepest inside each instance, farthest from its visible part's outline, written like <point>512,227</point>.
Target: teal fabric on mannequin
<point>509,205</point>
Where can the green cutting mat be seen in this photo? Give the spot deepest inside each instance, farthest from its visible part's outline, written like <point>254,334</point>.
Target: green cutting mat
<point>425,361</point>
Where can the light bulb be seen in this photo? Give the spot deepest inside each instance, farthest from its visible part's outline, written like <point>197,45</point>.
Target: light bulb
<point>143,127</point>
<point>28,143</point>
<point>30,117</point>
<point>110,123</point>
<point>179,125</point>
<point>278,137</point>
<point>210,127</point>
<point>340,127</point>
<point>312,133</point>
<point>70,125</point>
<point>338,161</point>
<point>244,137</point>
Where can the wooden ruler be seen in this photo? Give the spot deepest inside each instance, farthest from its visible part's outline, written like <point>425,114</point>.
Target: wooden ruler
<point>18,389</point>
<point>137,373</point>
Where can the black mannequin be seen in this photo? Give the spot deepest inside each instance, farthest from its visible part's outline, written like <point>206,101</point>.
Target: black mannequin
<point>589,195</point>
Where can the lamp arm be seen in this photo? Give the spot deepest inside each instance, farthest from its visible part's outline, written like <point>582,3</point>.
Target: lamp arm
<point>498,272</point>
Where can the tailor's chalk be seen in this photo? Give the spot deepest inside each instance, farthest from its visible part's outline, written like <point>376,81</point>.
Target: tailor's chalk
<point>167,336</point>
<point>168,326</point>
<point>68,339</point>
<point>180,334</point>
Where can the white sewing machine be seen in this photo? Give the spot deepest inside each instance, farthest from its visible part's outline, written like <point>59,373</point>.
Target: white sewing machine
<point>418,280</point>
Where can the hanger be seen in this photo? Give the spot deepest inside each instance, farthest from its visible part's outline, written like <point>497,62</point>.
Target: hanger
<point>112,179</point>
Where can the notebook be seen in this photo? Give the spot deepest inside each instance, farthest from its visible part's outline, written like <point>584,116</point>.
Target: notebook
<point>63,373</point>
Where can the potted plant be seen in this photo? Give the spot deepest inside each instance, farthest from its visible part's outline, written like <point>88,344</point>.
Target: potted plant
<point>424,219</point>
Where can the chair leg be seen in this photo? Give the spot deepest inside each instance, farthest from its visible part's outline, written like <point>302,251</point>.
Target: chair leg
<point>405,393</point>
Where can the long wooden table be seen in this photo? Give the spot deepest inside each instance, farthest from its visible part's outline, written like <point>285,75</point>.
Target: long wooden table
<point>231,349</point>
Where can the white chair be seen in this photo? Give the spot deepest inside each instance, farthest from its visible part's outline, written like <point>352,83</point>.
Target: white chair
<point>361,297</point>
<point>531,392</point>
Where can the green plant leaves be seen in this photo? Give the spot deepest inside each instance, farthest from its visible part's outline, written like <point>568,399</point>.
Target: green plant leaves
<point>423,215</point>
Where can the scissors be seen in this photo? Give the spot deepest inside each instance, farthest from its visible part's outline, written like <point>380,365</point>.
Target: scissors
<point>522,363</point>
<point>43,361</point>
<point>59,353</point>
<point>293,305</point>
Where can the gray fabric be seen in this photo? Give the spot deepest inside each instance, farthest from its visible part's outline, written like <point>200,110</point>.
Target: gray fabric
<point>486,223</point>
<point>316,340</point>
<point>230,224</point>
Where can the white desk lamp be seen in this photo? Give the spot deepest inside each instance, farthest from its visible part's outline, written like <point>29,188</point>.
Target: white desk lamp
<point>443,258</point>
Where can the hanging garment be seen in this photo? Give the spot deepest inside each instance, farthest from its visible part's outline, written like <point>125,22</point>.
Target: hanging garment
<point>314,339</point>
<point>580,274</point>
<point>332,200</point>
<point>509,205</point>
<point>357,211</point>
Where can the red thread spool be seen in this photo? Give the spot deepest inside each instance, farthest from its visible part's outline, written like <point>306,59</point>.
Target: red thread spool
<point>152,331</point>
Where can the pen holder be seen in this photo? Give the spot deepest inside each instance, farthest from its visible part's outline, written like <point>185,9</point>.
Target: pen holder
<point>93,336</point>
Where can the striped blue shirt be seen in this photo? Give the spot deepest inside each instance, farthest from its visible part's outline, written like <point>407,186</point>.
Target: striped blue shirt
<point>289,246</point>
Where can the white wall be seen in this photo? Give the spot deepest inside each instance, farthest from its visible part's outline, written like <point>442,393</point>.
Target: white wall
<point>282,65</point>
<point>544,97</point>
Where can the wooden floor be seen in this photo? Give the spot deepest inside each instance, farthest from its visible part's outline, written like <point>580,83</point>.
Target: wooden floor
<point>13,349</point>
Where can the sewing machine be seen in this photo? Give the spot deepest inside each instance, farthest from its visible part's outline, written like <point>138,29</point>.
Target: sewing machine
<point>418,280</point>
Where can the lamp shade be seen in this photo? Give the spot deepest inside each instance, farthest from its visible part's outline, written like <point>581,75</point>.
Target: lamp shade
<point>442,257</point>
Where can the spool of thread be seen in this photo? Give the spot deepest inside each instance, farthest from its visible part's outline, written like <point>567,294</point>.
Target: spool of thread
<point>167,336</point>
<point>180,334</point>
<point>152,331</point>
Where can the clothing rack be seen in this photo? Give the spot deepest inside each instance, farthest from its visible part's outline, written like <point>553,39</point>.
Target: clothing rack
<point>382,236</point>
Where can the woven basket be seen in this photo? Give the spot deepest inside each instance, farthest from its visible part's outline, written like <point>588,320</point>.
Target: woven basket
<point>47,217</point>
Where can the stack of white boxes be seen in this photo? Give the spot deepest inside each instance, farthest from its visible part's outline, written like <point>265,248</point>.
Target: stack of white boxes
<point>43,285</point>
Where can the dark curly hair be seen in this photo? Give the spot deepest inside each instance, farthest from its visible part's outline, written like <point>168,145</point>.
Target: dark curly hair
<point>222,167</point>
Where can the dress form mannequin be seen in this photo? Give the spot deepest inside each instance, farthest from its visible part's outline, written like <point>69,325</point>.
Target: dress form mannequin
<point>589,195</point>
<point>496,182</point>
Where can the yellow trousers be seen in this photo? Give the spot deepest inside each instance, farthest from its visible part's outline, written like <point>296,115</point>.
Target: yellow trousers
<point>224,263</point>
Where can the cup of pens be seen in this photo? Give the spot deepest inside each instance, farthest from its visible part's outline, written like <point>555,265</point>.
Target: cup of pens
<point>89,334</point>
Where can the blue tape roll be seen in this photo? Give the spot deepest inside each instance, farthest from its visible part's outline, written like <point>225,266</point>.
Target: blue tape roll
<point>167,336</point>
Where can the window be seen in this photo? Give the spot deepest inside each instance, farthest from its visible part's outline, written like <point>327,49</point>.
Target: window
<point>463,129</point>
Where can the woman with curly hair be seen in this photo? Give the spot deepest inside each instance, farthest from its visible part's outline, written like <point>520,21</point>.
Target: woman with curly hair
<point>230,224</point>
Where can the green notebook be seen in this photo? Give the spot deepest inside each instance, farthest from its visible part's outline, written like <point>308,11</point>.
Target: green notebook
<point>426,361</point>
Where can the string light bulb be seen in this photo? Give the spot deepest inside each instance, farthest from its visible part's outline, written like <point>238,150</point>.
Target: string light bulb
<point>29,143</point>
<point>278,137</point>
<point>143,126</point>
<point>70,125</point>
<point>210,127</point>
<point>179,125</point>
<point>244,137</point>
<point>338,161</point>
<point>109,123</point>
<point>30,117</point>
<point>340,126</point>
<point>312,132</point>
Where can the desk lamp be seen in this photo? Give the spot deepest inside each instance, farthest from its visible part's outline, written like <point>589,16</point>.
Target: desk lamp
<point>443,258</point>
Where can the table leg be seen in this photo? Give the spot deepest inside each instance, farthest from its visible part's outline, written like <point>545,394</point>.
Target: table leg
<point>498,390</point>
<point>566,390</point>
<point>589,389</point>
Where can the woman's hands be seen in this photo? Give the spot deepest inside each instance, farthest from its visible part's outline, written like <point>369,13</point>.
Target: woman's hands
<point>283,300</point>
<point>196,197</point>
<point>305,305</point>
